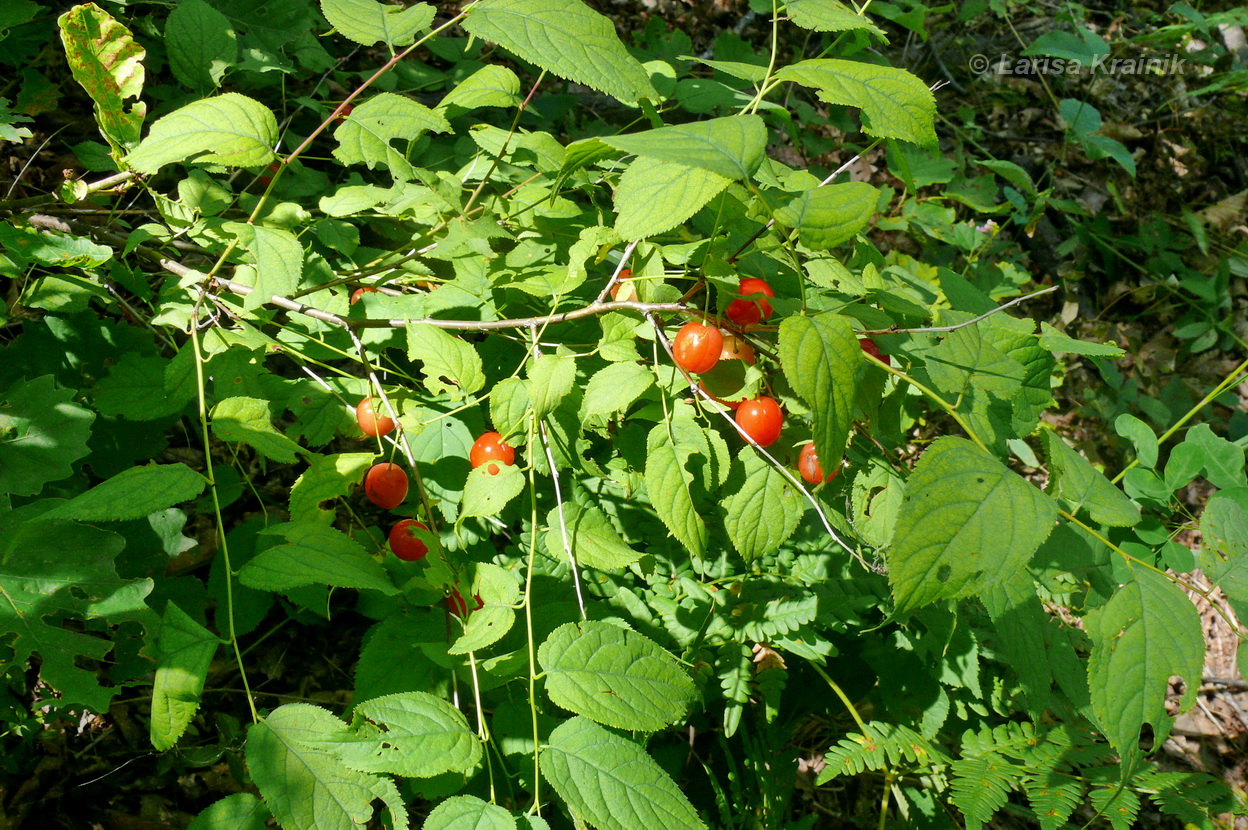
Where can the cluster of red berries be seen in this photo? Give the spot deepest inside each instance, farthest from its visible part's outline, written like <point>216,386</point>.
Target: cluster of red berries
<point>698,348</point>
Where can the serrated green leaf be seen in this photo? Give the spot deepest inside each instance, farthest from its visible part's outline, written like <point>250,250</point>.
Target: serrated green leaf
<point>829,215</point>
<point>599,774</point>
<point>248,420</point>
<point>614,388</point>
<point>820,356</point>
<point>966,521</point>
<point>550,379</point>
<point>200,44</point>
<point>668,483</point>
<point>241,811</point>
<point>186,649</point>
<point>305,787</point>
<point>368,22</point>
<point>895,102</point>
<point>829,16</point>
<point>655,196</point>
<point>1074,479</point>
<point>142,387</point>
<point>276,262</point>
<point>467,812</point>
<point>498,590</point>
<point>593,538</point>
<point>314,555</point>
<point>1148,632</point>
<point>451,365</point>
<point>965,358</point>
<point>614,676</point>
<point>369,134</point>
<point>328,477</point>
<point>1059,343</point>
<point>413,734</point>
<point>489,86</point>
<point>42,433</point>
<point>133,494</point>
<point>230,129</point>
<point>729,147</point>
<point>509,409</point>
<point>566,38</point>
<point>107,61</point>
<point>1224,545</point>
<point>764,511</point>
<point>486,494</point>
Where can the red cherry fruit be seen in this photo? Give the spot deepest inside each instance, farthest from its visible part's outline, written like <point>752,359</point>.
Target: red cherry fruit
<point>490,448</point>
<point>343,113</point>
<point>748,312</point>
<point>736,349</point>
<point>405,543</point>
<point>360,292</point>
<point>458,606</point>
<point>266,178</point>
<point>624,291</point>
<point>762,419</point>
<point>370,423</point>
<point>696,347</point>
<point>808,466</point>
<point>868,346</point>
<point>385,485</point>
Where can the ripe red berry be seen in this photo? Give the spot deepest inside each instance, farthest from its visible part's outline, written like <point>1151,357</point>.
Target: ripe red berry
<point>267,177</point>
<point>868,346</point>
<point>458,606</point>
<point>762,419</point>
<point>491,447</point>
<point>808,466</point>
<point>370,423</point>
<point>343,113</point>
<point>748,312</point>
<point>624,291</point>
<point>360,292</point>
<point>696,347</point>
<point>405,543</point>
<point>385,485</point>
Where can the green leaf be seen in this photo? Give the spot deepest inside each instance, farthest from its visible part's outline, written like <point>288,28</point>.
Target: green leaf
<point>451,365</point>
<point>729,147</point>
<point>764,510</point>
<point>413,734</point>
<point>1147,632</point>
<point>1141,436</point>
<point>1058,342</point>
<point>1077,481</point>
<point>593,538</point>
<point>653,197</point>
<point>248,420</point>
<point>328,477</point>
<point>820,356</point>
<point>1223,460</point>
<point>314,555</point>
<point>489,86</point>
<point>368,134</point>
<point>200,44</point>
<point>829,215</point>
<point>668,485</point>
<point>614,676</point>
<point>42,433</point>
<point>144,388</point>
<point>895,103</point>
<point>965,358</point>
<point>509,409</point>
<point>231,129</point>
<point>367,22</point>
<point>966,521</point>
<point>241,811</point>
<point>1224,545</point>
<point>614,388</point>
<point>133,494</point>
<point>829,16</point>
<point>486,494</point>
<point>276,265</point>
<point>467,812</point>
<point>307,788</point>
<point>498,590</point>
<point>107,61</point>
<point>600,775</point>
<point>566,38</point>
<point>550,380</point>
<point>186,649</point>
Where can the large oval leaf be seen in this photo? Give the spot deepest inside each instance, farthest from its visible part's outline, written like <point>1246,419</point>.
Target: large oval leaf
<point>820,356</point>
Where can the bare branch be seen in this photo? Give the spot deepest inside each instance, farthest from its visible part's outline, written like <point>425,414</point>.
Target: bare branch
<point>971,322</point>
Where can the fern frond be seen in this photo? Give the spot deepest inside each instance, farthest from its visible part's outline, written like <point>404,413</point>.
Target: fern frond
<point>981,786</point>
<point>1119,806</point>
<point>1053,797</point>
<point>1192,796</point>
<point>878,746</point>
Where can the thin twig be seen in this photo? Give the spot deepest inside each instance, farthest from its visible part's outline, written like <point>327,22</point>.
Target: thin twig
<point>971,322</point>
<point>615,278</point>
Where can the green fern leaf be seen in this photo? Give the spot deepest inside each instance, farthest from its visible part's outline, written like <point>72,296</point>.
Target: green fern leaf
<point>1119,806</point>
<point>982,785</point>
<point>877,746</point>
<point>1053,797</point>
<point>1193,797</point>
